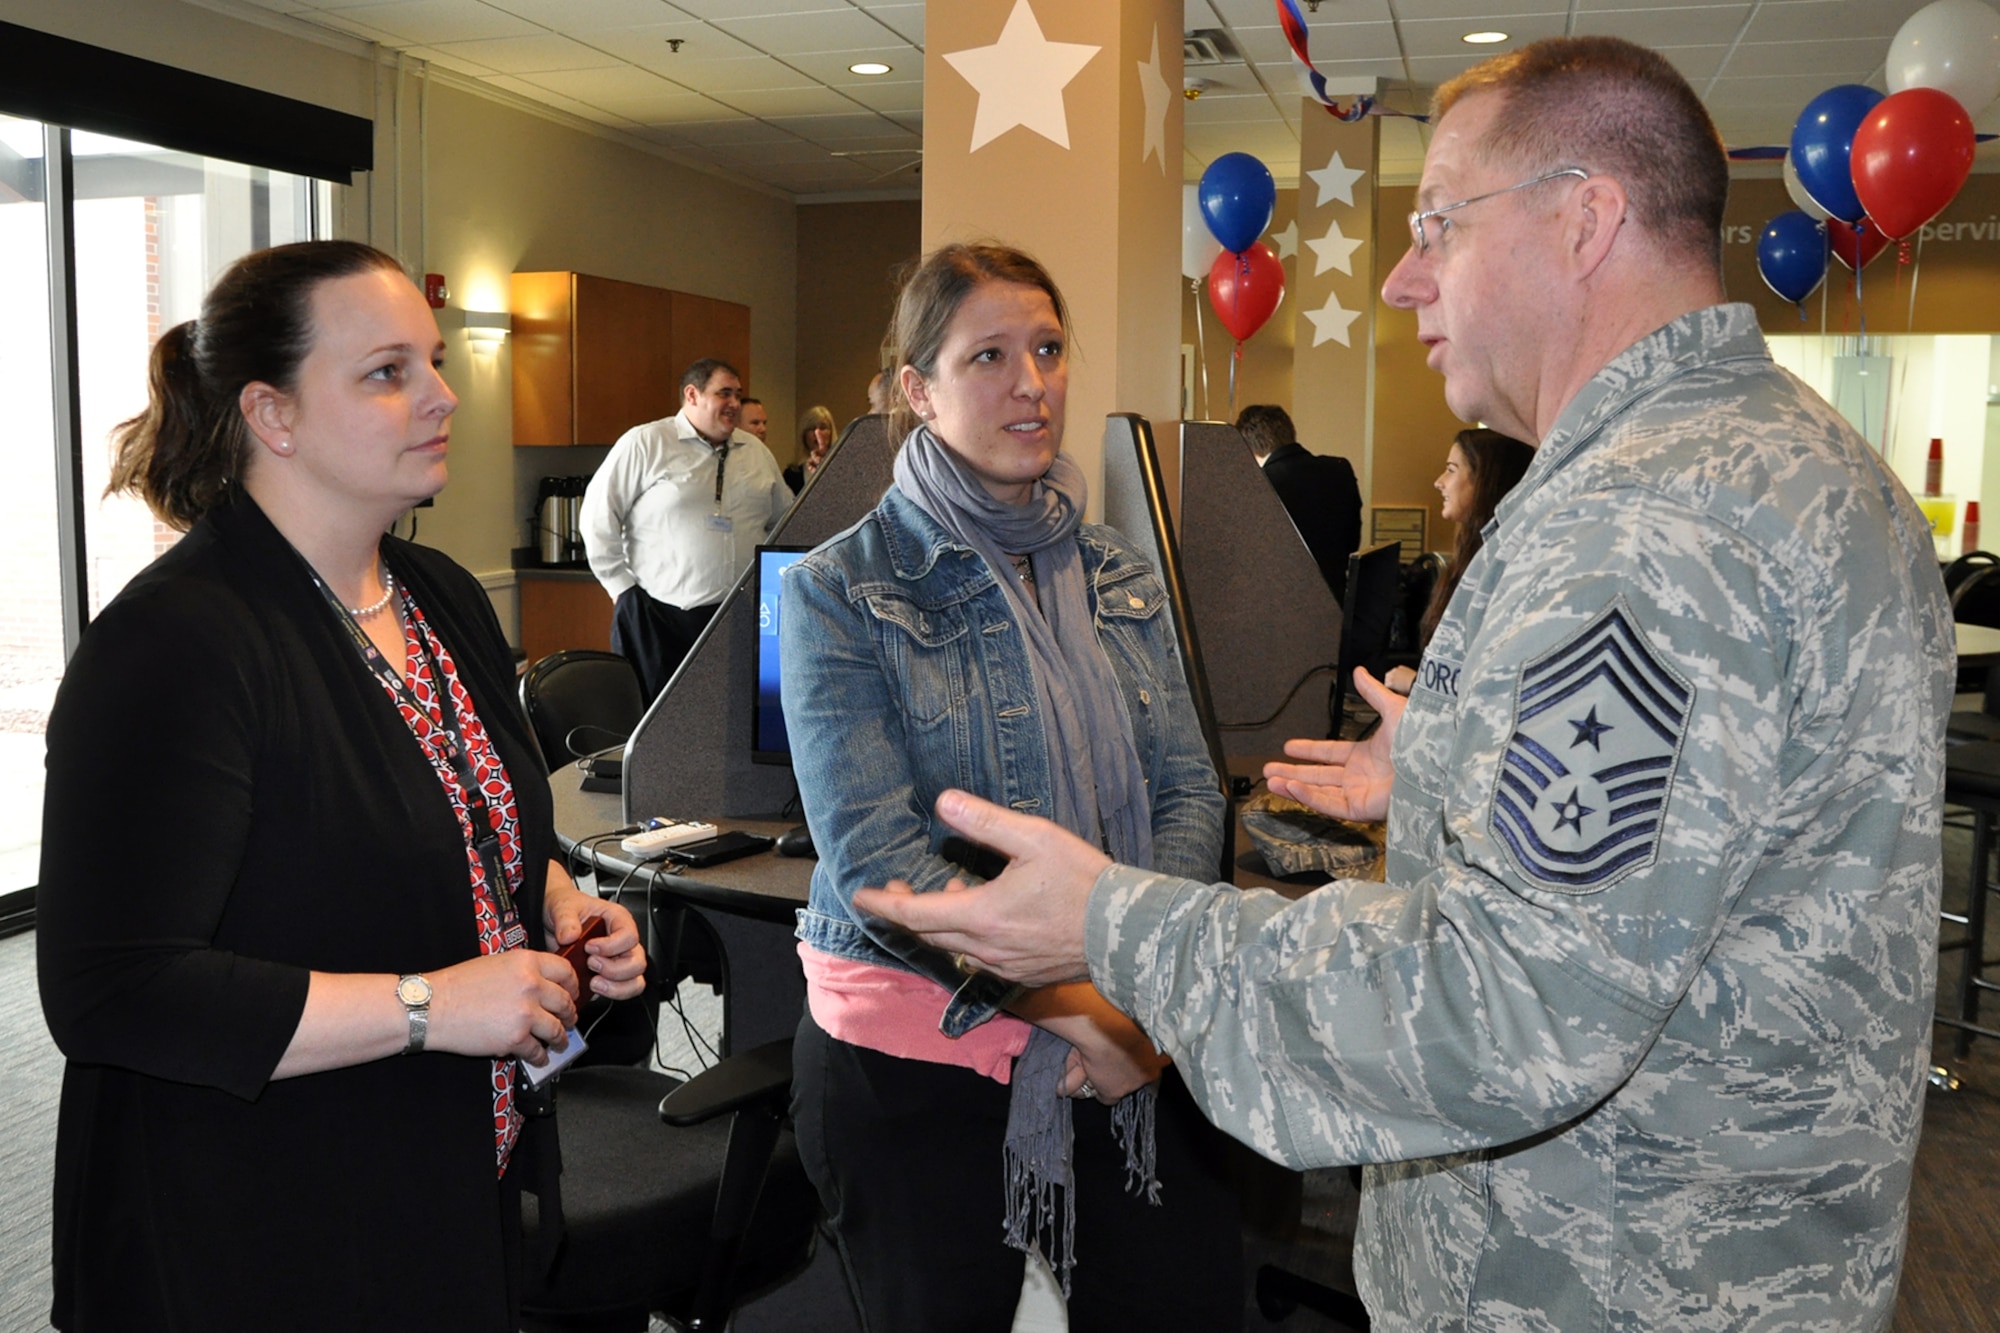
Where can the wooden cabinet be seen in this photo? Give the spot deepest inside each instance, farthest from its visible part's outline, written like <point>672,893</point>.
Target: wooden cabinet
<point>562,610</point>
<point>594,357</point>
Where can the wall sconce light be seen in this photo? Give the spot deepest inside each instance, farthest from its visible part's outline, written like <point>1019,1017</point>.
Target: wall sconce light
<point>487,329</point>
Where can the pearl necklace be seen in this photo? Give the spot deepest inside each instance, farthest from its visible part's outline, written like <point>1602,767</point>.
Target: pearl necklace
<point>388,591</point>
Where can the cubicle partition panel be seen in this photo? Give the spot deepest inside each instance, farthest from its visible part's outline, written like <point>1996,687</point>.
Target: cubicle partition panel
<point>1135,503</point>
<point>690,757</point>
<point>1259,603</point>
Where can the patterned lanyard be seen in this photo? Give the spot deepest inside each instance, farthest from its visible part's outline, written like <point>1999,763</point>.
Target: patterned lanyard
<point>485,838</point>
<point>721,470</point>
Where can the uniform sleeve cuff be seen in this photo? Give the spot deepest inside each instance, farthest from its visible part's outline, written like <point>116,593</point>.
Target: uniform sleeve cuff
<point>1130,920</point>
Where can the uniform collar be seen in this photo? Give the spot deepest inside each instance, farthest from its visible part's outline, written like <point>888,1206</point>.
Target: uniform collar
<point>1700,338</point>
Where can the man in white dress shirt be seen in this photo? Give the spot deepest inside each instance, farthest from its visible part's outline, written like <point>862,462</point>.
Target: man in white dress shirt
<point>672,516</point>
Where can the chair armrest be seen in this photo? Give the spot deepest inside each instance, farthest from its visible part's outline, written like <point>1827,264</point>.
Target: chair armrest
<point>761,1074</point>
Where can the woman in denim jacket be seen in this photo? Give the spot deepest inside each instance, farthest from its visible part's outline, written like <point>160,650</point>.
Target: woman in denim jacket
<point>970,632</point>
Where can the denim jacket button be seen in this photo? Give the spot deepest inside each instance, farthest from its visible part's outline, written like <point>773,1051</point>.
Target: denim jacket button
<point>1145,698</point>
<point>1134,602</point>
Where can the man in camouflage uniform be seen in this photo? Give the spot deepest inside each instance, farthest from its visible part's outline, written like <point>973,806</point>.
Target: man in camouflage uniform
<point>1634,1035</point>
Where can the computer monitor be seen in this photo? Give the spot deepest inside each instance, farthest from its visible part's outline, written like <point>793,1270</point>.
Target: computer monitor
<point>1370,609</point>
<point>768,742</point>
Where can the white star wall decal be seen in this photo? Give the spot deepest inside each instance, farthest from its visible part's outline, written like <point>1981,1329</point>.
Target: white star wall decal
<point>1334,250</point>
<point>1335,179</point>
<point>1331,321</point>
<point>1286,242</point>
<point>1153,87</point>
<point>1020,79</point>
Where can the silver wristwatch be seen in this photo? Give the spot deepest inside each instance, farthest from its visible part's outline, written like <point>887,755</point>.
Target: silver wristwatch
<point>415,993</point>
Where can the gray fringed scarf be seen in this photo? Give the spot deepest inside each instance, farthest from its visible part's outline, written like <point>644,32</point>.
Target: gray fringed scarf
<point>1100,791</point>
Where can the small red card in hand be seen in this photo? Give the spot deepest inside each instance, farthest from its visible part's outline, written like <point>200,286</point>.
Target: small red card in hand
<point>593,929</point>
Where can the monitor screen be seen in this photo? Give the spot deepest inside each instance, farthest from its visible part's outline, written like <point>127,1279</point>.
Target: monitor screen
<point>768,743</point>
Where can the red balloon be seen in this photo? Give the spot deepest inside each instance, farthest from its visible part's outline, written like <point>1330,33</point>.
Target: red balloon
<point>1910,157</point>
<point>1855,244</point>
<point>1245,287</point>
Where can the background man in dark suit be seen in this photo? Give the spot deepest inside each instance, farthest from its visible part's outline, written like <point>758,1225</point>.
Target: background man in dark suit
<point>1318,490</point>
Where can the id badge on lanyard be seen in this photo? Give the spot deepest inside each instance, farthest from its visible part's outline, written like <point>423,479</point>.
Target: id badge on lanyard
<point>717,520</point>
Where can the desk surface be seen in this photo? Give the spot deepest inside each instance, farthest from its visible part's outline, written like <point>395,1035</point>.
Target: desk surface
<point>763,885</point>
<point>1977,645</point>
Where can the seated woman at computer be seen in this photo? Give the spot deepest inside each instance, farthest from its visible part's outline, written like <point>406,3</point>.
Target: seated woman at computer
<point>1479,469</point>
<point>971,632</point>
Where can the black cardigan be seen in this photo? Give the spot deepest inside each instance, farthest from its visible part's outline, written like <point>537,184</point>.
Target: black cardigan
<point>232,802</point>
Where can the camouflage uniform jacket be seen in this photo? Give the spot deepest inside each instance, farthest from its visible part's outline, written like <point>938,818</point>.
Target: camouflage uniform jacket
<point>1634,1034</point>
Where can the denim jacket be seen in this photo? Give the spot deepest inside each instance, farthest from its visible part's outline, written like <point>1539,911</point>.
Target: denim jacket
<point>904,673</point>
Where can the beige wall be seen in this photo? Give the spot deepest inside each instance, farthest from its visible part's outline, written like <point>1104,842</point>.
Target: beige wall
<point>1100,214</point>
<point>848,257</point>
<point>495,189</point>
<point>482,188</point>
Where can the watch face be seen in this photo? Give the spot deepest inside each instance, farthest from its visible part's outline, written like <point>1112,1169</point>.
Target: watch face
<point>413,991</point>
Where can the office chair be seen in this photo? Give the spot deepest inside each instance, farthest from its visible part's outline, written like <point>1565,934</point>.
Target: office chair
<point>1965,566</point>
<point>579,702</point>
<point>1372,576</point>
<point>1976,601</point>
<point>685,1218</point>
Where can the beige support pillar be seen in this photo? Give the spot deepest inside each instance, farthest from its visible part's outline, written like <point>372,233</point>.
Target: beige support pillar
<point>1333,358</point>
<point>1056,126</point>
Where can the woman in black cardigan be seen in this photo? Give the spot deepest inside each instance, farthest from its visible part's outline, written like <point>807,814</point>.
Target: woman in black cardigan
<point>296,879</point>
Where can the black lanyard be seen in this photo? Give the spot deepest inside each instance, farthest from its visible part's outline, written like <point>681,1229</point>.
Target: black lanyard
<point>485,838</point>
<point>721,469</point>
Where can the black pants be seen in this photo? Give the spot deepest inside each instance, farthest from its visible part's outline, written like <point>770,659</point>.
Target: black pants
<point>655,636</point>
<point>906,1156</point>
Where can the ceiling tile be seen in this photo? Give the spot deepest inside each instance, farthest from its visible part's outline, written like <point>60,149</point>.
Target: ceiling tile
<point>1685,25</point>
<point>906,65</point>
<point>1853,60</point>
<point>725,78</point>
<point>795,34</point>
<point>716,10</point>
<point>529,55</point>
<point>1228,109</point>
<point>1435,38</point>
<point>1330,42</point>
<point>535,92</point>
<point>898,99</point>
<point>1793,91</point>
<point>907,21</point>
<point>354,27</point>
<point>631,93</point>
<point>1821,20</point>
<point>738,133</point>
<point>829,129</point>
<point>434,22</point>
<point>1254,13</point>
<point>789,102</point>
<point>585,16</point>
<point>446,59</point>
<point>648,47</point>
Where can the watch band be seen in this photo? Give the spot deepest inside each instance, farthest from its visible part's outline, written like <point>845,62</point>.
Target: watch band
<point>414,990</point>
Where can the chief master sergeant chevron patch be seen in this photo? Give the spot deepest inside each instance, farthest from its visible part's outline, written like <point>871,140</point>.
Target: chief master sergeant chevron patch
<point>1598,723</point>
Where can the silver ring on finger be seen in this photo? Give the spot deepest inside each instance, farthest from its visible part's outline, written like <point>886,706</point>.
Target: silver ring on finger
<point>1087,1089</point>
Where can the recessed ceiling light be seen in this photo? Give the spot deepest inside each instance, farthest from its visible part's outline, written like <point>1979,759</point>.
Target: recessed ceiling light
<point>1484,38</point>
<point>868,67</point>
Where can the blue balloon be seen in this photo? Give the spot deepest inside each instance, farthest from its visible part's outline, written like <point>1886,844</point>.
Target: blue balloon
<point>1238,197</point>
<point>1822,142</point>
<point>1791,254</point>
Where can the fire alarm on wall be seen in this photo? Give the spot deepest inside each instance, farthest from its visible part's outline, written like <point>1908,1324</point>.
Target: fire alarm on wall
<point>435,290</point>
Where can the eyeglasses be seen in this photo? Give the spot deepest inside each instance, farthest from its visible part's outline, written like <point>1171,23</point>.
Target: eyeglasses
<point>1421,233</point>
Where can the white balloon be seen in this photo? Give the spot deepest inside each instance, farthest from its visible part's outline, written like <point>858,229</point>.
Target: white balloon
<point>1953,46</point>
<point>1797,189</point>
<point>1198,245</point>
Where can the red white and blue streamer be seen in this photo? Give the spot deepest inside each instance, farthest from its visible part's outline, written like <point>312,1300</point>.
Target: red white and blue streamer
<point>1294,24</point>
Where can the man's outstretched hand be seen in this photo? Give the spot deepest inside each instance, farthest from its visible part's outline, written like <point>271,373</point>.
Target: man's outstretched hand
<point>1027,925</point>
<point>1345,779</point>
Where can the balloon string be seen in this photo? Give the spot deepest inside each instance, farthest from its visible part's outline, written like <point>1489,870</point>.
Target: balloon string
<point>1233,362</point>
<point>1200,347</point>
<point>1860,301</point>
<point>1916,272</point>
